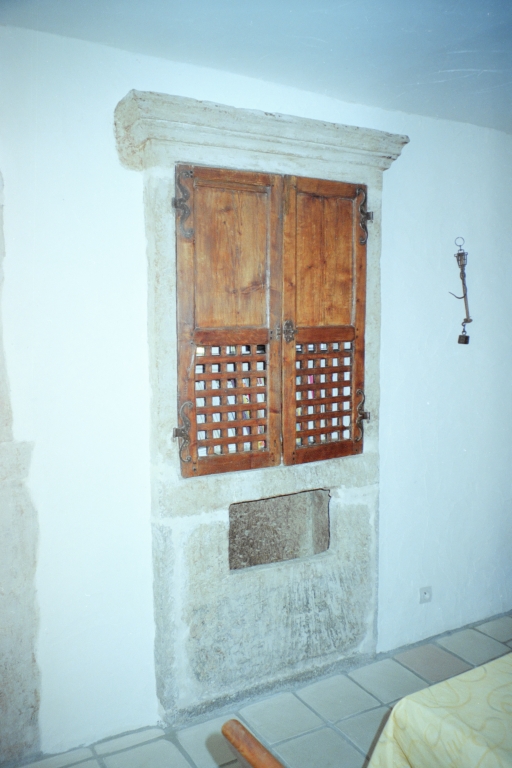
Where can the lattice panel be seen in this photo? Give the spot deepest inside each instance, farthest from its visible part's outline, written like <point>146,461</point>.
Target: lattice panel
<point>323,393</point>
<point>231,399</point>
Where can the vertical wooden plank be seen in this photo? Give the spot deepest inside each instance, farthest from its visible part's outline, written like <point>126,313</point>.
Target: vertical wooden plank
<point>275,308</point>
<point>311,257</point>
<point>289,283</point>
<point>359,311</point>
<point>185,283</point>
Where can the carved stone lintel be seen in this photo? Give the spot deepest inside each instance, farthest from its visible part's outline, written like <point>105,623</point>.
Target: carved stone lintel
<point>149,126</point>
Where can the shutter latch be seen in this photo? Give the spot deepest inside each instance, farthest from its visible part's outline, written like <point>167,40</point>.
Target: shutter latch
<point>183,433</point>
<point>289,330</point>
<point>361,416</point>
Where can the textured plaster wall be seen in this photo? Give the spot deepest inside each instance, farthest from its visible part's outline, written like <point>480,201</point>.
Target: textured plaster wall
<point>19,673</point>
<point>76,347</point>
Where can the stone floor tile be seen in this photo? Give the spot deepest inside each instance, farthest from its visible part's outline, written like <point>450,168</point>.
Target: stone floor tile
<point>337,697</point>
<point>280,717</point>
<point>157,754</point>
<point>499,629</point>
<point>432,662</point>
<point>473,646</point>
<point>364,729</point>
<point>387,680</point>
<point>130,740</point>
<point>205,743</point>
<point>90,764</point>
<point>320,749</point>
<point>62,760</point>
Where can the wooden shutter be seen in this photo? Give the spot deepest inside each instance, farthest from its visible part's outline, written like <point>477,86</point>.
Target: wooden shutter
<point>324,288</point>
<point>229,265</point>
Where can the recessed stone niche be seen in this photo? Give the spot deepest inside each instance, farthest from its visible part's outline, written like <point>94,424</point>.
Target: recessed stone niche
<point>280,528</point>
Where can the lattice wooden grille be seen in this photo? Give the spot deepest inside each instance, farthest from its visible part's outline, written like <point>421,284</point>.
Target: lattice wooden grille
<point>231,399</point>
<point>323,392</point>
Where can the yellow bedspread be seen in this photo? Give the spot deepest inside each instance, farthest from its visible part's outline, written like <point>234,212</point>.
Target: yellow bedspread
<point>464,722</point>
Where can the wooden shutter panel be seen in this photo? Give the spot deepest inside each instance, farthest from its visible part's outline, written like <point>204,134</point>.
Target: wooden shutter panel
<point>324,289</point>
<point>228,273</point>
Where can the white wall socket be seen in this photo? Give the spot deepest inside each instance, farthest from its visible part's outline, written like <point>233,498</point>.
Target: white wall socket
<point>425,594</point>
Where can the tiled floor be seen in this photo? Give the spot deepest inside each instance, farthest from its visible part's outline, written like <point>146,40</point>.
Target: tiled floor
<point>331,723</point>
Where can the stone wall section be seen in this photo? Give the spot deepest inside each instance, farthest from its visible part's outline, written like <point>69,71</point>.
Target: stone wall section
<point>19,673</point>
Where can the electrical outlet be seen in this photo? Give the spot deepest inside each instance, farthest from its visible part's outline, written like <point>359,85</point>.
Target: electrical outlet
<point>425,594</point>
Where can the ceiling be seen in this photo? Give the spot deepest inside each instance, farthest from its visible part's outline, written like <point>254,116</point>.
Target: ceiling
<point>442,58</point>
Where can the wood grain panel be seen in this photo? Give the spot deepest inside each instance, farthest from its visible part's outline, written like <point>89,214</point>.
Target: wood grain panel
<point>338,260</point>
<point>231,253</point>
<point>324,260</point>
<point>310,261</point>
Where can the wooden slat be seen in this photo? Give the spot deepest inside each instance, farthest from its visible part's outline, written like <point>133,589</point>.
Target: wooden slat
<point>323,451</point>
<point>289,285</point>
<point>185,315</point>
<point>327,334</point>
<point>359,318</point>
<point>205,174</point>
<point>325,188</point>
<point>322,431</point>
<point>210,336</point>
<point>228,375</point>
<point>238,440</point>
<point>227,392</point>
<point>231,462</point>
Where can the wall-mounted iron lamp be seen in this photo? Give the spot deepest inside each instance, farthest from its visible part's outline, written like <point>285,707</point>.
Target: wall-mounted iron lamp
<point>462,260</point>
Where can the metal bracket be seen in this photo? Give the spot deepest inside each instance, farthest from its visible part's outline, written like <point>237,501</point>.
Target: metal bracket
<point>180,203</point>
<point>183,433</point>
<point>289,330</point>
<point>364,215</point>
<point>362,415</point>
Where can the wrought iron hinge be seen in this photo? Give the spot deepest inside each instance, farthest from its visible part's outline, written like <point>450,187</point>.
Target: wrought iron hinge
<point>289,330</point>
<point>362,415</point>
<point>183,433</point>
<point>364,215</point>
<point>180,203</point>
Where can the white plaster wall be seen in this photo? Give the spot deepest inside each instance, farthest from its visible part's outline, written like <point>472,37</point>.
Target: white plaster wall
<point>75,337</point>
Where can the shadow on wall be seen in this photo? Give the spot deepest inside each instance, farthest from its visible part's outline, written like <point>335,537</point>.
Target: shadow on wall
<point>19,673</point>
